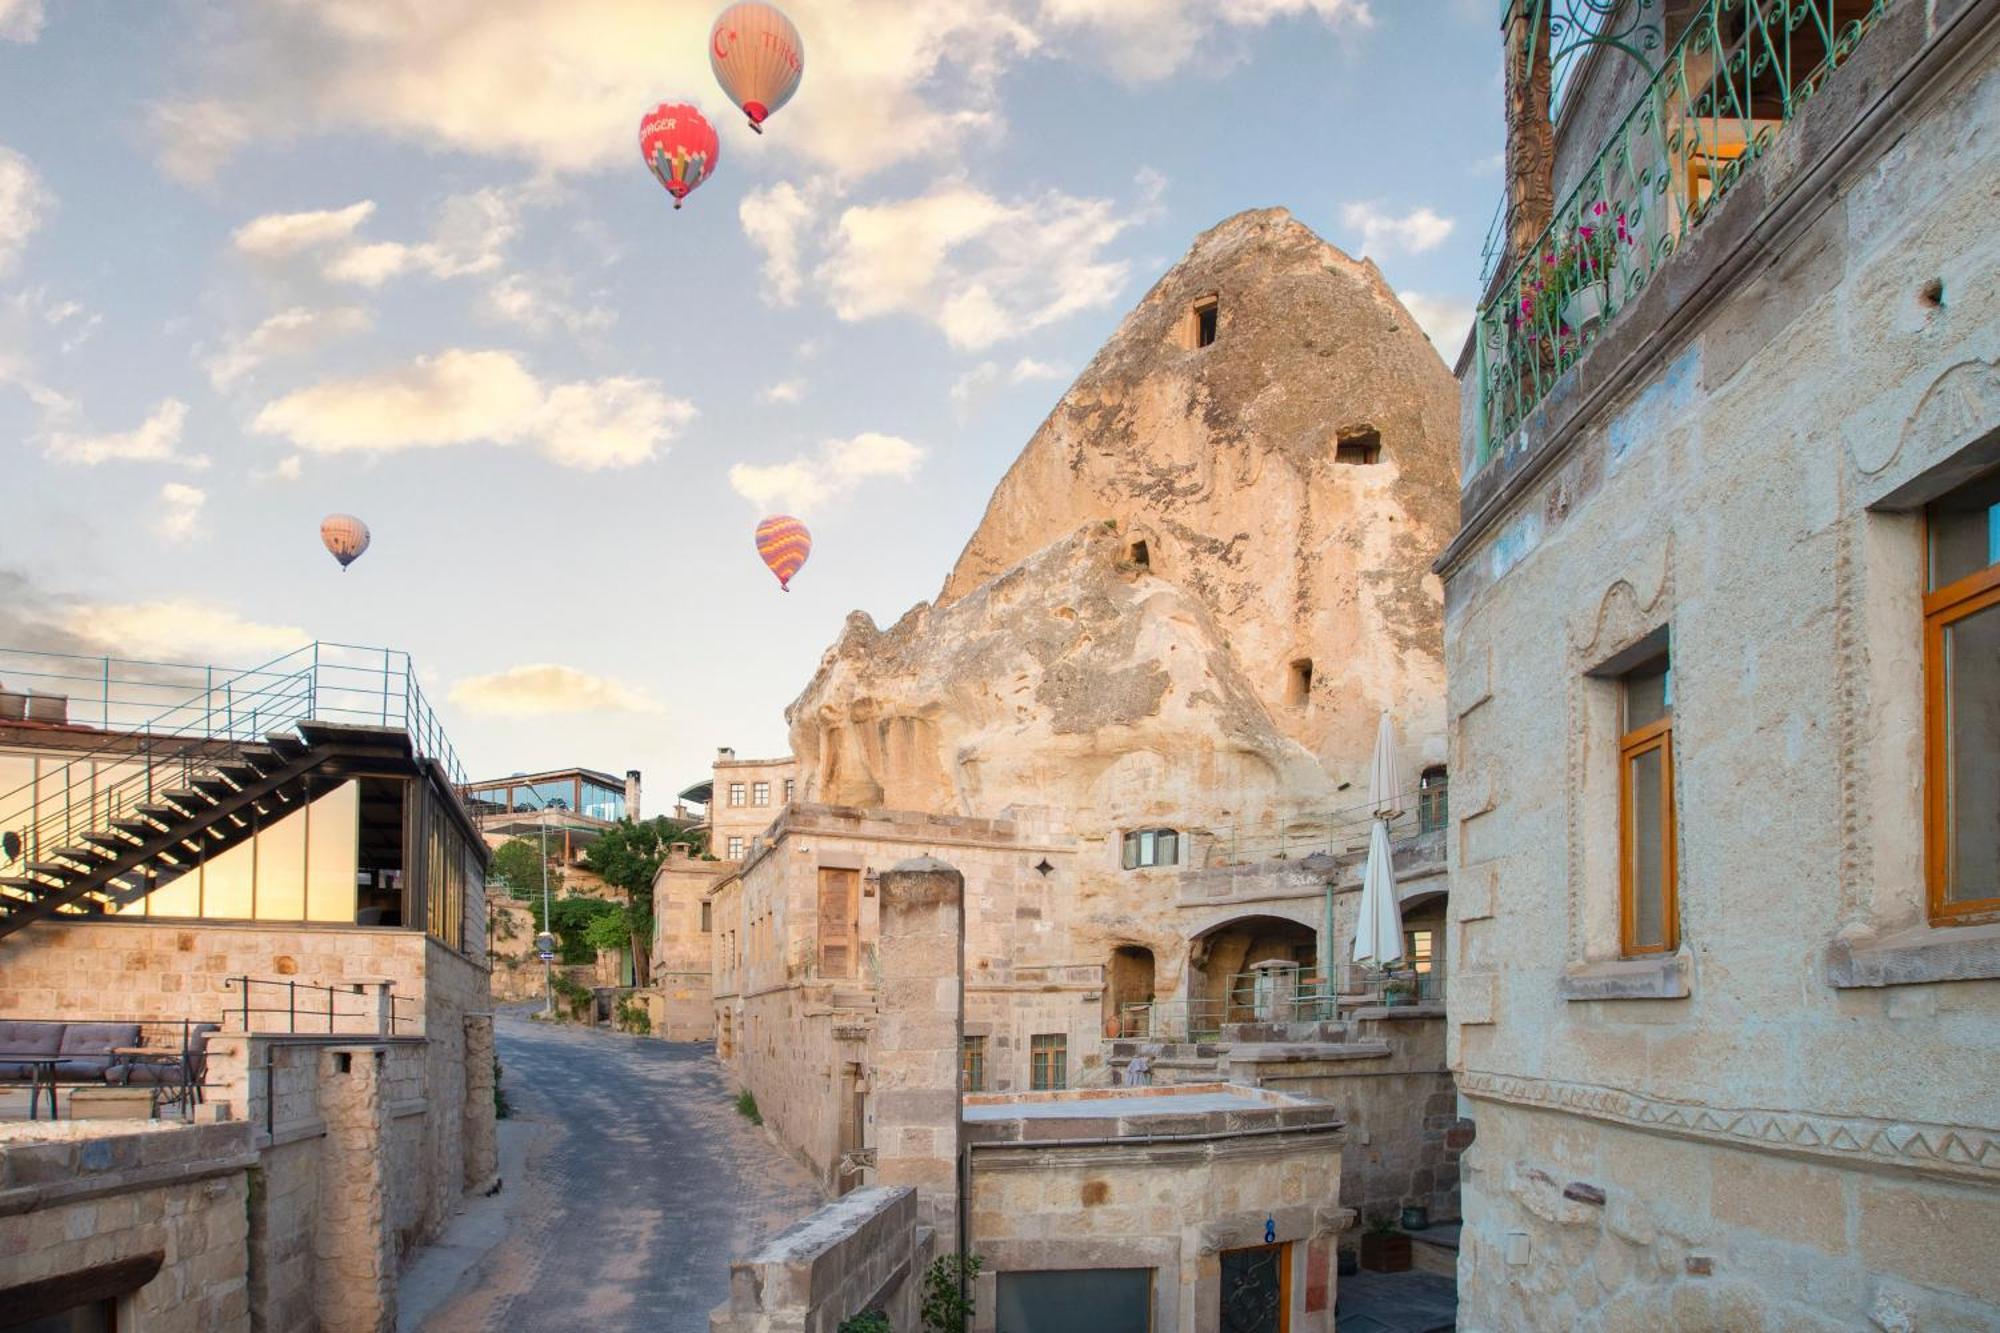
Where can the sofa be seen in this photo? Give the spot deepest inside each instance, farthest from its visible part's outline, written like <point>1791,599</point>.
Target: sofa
<point>85,1051</point>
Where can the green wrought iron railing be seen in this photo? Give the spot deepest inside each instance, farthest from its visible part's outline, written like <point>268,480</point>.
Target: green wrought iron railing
<point>1738,72</point>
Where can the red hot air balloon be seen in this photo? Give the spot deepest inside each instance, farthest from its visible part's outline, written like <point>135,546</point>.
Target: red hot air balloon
<point>784,543</point>
<point>679,146</point>
<point>757,58</point>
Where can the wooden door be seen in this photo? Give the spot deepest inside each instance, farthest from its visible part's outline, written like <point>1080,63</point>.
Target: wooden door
<point>839,922</point>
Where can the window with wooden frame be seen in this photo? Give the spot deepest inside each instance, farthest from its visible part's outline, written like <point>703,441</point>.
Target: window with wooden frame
<point>1962,704</point>
<point>1203,323</point>
<point>736,793</point>
<point>972,1065</point>
<point>1648,913</point>
<point>1144,848</point>
<point>760,793</point>
<point>1048,1062</point>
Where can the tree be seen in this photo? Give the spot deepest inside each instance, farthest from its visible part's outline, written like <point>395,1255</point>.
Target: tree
<point>578,924</point>
<point>627,856</point>
<point>517,865</point>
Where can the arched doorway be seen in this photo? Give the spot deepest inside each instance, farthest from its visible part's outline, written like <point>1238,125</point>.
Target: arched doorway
<point>1128,980</point>
<point>1222,952</point>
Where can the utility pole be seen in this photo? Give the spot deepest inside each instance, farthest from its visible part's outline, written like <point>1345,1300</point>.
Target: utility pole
<point>548,923</point>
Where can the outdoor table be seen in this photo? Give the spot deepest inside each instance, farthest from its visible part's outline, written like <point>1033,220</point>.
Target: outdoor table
<point>162,1055</point>
<point>41,1074</point>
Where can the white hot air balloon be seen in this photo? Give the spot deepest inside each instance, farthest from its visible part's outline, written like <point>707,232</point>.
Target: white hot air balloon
<point>344,536</point>
<point>757,58</point>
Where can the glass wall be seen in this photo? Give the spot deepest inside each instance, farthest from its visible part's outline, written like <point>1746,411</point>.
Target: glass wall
<point>572,792</point>
<point>601,802</point>
<point>451,869</point>
<point>298,867</point>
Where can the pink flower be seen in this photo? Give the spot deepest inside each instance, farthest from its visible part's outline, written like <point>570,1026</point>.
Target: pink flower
<point>1585,232</point>
<point>1599,208</point>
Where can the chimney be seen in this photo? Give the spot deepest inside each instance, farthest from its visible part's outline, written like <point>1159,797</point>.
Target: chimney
<point>724,753</point>
<point>632,794</point>
<point>920,1034</point>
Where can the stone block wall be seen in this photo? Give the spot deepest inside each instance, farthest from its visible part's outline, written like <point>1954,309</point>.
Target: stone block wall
<point>1169,1207</point>
<point>858,1253</point>
<point>82,1195</point>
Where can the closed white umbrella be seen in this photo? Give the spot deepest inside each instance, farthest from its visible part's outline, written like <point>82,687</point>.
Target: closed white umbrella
<point>1378,928</point>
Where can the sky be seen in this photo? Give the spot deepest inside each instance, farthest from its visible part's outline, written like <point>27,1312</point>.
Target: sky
<point>265,261</point>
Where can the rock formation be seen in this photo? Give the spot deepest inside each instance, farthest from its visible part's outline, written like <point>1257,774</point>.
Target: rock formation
<point>1199,584</point>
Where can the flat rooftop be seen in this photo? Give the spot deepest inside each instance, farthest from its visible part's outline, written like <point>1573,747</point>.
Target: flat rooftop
<point>1192,1110</point>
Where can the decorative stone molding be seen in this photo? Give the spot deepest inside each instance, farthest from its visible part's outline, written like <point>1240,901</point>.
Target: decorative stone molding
<point>1915,957</point>
<point>1664,977</point>
<point>1957,1152</point>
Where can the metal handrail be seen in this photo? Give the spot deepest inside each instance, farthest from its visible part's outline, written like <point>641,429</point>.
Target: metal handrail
<point>1699,124</point>
<point>313,1012</point>
<point>1332,832</point>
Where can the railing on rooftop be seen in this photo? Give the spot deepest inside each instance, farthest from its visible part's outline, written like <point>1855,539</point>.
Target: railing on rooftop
<point>1737,73</point>
<point>1284,996</point>
<point>147,727</point>
<point>1283,837</point>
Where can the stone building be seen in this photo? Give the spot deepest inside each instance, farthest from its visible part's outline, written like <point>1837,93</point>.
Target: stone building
<point>1724,911</point>
<point>743,797</point>
<point>1136,717</point>
<point>284,907</point>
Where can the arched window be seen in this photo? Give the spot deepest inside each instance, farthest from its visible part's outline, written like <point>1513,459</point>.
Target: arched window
<point>1432,789</point>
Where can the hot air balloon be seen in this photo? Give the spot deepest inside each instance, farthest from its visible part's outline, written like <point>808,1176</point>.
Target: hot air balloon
<point>784,543</point>
<point>344,536</point>
<point>679,145</point>
<point>757,58</point>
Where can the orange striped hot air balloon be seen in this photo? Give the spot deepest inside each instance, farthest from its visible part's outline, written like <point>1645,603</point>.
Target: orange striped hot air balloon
<point>345,537</point>
<point>784,543</point>
<point>757,58</point>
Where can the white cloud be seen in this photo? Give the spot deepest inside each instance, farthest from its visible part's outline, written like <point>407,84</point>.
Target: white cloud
<point>1143,40</point>
<point>776,219</point>
<point>196,136</point>
<point>1443,320</point>
<point>981,269</point>
<point>157,439</point>
<point>178,629</point>
<point>1416,231</point>
<point>784,391</point>
<point>282,235</point>
<point>469,236</point>
<point>20,20</point>
<point>541,304</point>
<point>465,397</point>
<point>978,384</point>
<point>178,518</point>
<point>560,83</point>
<point>544,688</point>
<point>810,481</point>
<point>288,333</point>
<point>25,203</point>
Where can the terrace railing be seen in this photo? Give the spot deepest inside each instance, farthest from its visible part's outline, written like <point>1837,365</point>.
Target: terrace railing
<point>1284,996</point>
<point>1736,75</point>
<point>161,725</point>
<point>1282,837</point>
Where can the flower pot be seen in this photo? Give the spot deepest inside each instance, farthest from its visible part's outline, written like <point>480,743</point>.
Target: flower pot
<point>1585,305</point>
<point>1416,1217</point>
<point>1385,1252</point>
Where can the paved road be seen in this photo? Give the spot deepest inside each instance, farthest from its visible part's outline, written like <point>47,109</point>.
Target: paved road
<point>642,1184</point>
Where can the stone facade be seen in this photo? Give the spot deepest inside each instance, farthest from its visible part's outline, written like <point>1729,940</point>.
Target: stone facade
<point>683,953</point>
<point>1162,1183</point>
<point>1789,1120</point>
<point>735,817</point>
<point>78,1198</point>
<point>858,1253</point>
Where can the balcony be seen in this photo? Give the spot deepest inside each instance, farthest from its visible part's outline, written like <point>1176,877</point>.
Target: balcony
<point>1731,81</point>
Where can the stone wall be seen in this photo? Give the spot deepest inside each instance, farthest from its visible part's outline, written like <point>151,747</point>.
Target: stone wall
<point>1801,1096</point>
<point>1172,1207</point>
<point>856,1254</point>
<point>682,948</point>
<point>79,1196</point>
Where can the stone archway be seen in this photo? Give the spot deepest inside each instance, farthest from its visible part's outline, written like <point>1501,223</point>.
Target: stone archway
<point>1129,978</point>
<point>1224,950</point>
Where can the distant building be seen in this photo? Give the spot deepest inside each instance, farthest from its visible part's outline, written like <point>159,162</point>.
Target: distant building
<point>744,797</point>
<point>571,805</point>
<point>1723,627</point>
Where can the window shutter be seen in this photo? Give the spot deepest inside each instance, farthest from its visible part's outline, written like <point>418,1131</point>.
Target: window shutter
<point>1131,857</point>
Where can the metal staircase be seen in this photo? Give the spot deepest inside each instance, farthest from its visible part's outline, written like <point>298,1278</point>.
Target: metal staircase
<point>150,801</point>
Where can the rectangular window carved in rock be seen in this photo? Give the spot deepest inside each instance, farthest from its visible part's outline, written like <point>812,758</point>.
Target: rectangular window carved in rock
<point>1150,847</point>
<point>1204,319</point>
<point>1962,704</point>
<point>1358,446</point>
<point>1647,909</point>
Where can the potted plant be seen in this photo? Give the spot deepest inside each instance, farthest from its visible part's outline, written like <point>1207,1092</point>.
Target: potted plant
<point>1383,1248</point>
<point>1398,991</point>
<point>1416,1217</point>
<point>1580,268</point>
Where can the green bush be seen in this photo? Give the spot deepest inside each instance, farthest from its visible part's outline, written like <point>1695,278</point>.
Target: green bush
<point>632,1017</point>
<point>868,1321</point>
<point>576,997</point>
<point>947,1292</point>
<point>746,1106</point>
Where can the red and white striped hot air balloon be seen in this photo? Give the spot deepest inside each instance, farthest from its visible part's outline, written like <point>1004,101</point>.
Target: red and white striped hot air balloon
<point>344,536</point>
<point>757,58</point>
<point>784,543</point>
